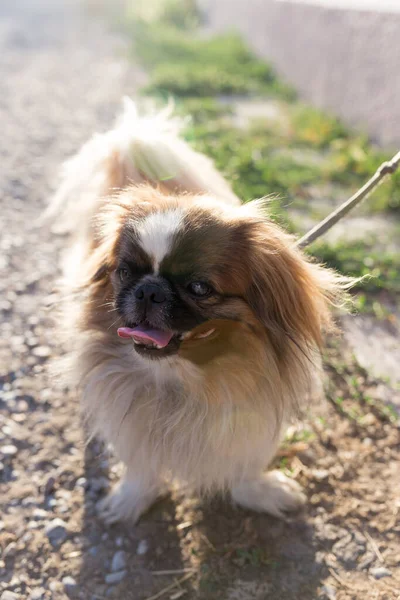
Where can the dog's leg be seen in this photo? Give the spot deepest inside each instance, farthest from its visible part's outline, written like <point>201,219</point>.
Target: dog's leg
<point>130,498</point>
<point>270,492</point>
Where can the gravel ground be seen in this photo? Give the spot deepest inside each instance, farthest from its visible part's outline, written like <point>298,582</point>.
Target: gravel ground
<point>62,77</point>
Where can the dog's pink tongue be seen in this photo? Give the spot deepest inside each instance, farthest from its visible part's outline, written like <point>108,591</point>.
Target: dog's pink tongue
<point>145,334</point>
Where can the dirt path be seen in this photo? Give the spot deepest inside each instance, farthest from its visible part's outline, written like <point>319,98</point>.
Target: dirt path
<point>62,77</point>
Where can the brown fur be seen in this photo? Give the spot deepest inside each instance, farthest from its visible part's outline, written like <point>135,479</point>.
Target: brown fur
<point>269,282</point>
<point>212,413</point>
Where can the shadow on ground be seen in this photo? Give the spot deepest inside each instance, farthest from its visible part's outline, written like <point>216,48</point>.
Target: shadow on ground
<point>203,549</point>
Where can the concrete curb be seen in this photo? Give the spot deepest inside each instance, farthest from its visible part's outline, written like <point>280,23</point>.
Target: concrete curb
<point>344,61</point>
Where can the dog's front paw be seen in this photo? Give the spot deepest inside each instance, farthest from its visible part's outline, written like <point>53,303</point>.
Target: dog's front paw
<point>271,492</point>
<point>127,502</point>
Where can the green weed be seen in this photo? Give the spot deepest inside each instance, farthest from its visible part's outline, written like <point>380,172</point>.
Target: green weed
<point>256,557</point>
<point>182,63</point>
<point>359,259</point>
<point>284,159</point>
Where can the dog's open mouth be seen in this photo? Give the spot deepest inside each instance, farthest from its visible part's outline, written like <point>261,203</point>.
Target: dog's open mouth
<point>158,342</point>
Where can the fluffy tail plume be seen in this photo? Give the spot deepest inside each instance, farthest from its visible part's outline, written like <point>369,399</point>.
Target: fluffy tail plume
<point>137,150</point>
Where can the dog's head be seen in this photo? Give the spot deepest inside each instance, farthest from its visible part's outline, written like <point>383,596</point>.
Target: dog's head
<point>190,276</point>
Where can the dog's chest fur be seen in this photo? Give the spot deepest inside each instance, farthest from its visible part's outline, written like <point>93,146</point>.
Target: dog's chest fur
<point>167,416</point>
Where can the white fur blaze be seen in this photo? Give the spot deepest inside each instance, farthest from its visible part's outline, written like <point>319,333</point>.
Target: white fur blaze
<point>156,234</point>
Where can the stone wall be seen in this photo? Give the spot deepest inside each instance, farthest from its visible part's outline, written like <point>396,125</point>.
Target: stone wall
<point>346,61</point>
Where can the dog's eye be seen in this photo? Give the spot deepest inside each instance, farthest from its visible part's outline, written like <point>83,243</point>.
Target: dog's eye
<point>199,289</point>
<point>124,274</point>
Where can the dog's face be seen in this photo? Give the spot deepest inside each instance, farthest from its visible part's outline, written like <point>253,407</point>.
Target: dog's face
<point>184,273</point>
<point>179,272</point>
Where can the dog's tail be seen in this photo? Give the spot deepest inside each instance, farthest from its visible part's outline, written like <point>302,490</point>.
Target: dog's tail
<point>138,150</point>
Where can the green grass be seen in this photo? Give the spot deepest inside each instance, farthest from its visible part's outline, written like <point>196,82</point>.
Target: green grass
<point>359,259</point>
<point>285,158</point>
<point>252,165</point>
<point>256,557</point>
<point>184,64</point>
<point>348,387</point>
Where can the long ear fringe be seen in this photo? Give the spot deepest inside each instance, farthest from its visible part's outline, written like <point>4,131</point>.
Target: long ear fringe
<point>292,294</point>
<point>332,286</point>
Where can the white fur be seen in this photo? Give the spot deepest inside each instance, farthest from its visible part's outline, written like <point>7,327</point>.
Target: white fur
<point>131,497</point>
<point>167,422</point>
<point>156,234</point>
<point>165,419</point>
<point>272,492</point>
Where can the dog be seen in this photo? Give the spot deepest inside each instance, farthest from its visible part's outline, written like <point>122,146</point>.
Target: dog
<point>195,321</point>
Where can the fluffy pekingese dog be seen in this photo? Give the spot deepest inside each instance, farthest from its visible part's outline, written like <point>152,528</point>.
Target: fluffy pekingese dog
<point>196,323</point>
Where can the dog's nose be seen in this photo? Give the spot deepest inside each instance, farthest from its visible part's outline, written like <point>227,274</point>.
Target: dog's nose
<point>150,292</point>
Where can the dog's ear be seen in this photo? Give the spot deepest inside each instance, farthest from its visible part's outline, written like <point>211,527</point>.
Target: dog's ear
<point>289,294</point>
<point>98,266</point>
<point>103,241</point>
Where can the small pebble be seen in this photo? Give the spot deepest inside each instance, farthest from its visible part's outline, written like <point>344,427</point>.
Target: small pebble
<point>367,442</point>
<point>367,560</point>
<point>81,482</point>
<point>42,351</point>
<point>38,594</point>
<point>49,486</point>
<point>369,419</point>
<point>14,583</point>
<point>119,542</point>
<point>320,474</point>
<point>142,548</point>
<point>119,561</point>
<point>8,450</point>
<point>7,595</point>
<point>70,585</point>
<point>99,484</point>
<point>112,578</point>
<point>39,514</point>
<point>10,550</point>
<point>380,572</point>
<point>329,592</point>
<point>57,532</point>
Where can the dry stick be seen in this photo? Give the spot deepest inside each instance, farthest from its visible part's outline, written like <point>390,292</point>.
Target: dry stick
<point>173,571</point>
<point>342,581</point>
<point>176,583</point>
<point>386,168</point>
<point>374,547</point>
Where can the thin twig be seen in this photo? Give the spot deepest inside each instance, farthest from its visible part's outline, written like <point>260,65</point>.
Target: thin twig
<point>173,572</point>
<point>386,168</point>
<point>184,525</point>
<point>292,449</point>
<point>95,595</point>
<point>176,583</point>
<point>341,581</point>
<point>207,541</point>
<point>178,594</point>
<point>374,546</point>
